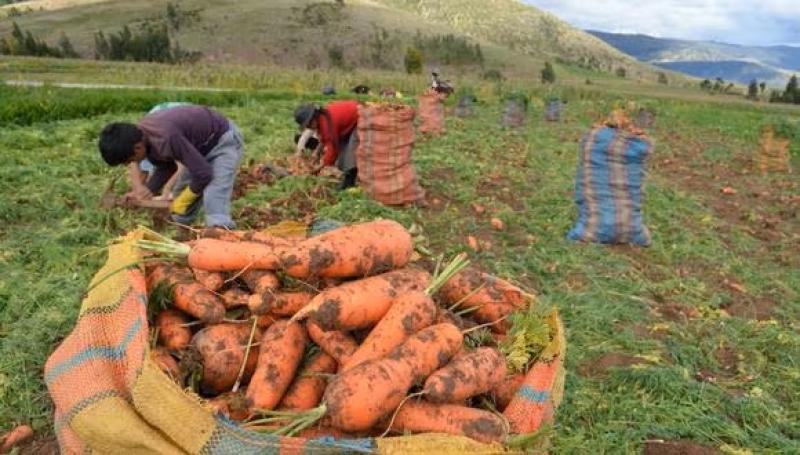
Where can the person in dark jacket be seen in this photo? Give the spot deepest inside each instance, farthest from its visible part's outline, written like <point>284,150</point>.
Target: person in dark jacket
<point>336,127</point>
<point>206,143</point>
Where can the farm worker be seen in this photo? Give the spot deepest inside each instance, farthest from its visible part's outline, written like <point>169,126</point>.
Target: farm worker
<point>139,173</point>
<point>206,143</point>
<point>335,125</point>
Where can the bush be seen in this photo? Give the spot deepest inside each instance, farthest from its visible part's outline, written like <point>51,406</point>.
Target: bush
<point>621,72</point>
<point>662,78</point>
<point>548,74</point>
<point>493,75</point>
<point>413,61</point>
<point>336,56</point>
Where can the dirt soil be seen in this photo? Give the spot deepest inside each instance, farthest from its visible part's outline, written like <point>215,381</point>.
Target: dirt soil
<point>600,366</point>
<point>678,447</point>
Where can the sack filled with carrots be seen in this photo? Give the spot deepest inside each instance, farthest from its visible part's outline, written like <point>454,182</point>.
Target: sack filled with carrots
<point>341,336</point>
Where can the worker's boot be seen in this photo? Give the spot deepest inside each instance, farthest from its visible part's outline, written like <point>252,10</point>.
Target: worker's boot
<point>349,179</point>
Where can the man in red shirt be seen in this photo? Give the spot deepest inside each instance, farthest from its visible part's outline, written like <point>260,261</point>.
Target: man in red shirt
<point>335,124</point>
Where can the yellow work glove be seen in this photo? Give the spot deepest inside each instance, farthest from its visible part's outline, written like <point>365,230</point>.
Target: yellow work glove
<point>182,202</point>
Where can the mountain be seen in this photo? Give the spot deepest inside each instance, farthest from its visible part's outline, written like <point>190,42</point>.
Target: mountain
<point>709,59</point>
<point>513,37</point>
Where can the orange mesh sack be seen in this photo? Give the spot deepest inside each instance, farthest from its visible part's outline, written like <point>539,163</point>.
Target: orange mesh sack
<point>386,142</point>
<point>431,112</point>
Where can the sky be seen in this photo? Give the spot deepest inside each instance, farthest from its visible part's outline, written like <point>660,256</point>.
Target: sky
<point>748,22</point>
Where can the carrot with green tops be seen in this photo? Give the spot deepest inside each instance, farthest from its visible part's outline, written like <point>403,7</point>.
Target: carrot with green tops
<point>307,389</point>
<point>284,304</point>
<point>472,288</point>
<point>188,295</point>
<point>358,398</point>
<point>17,436</point>
<point>412,312</point>
<point>466,376</point>
<point>173,333</point>
<point>336,344</point>
<point>361,303</point>
<point>423,417</point>
<point>231,405</point>
<point>280,353</point>
<point>261,281</point>
<point>223,347</point>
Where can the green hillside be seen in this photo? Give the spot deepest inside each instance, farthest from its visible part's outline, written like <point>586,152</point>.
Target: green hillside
<point>515,39</point>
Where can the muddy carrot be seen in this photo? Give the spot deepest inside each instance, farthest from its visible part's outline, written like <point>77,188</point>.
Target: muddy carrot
<point>423,417</point>
<point>505,391</point>
<point>471,288</point>
<point>17,436</point>
<point>212,281</point>
<point>172,331</point>
<point>465,376</point>
<point>307,389</point>
<point>188,295</point>
<point>284,304</point>
<point>362,303</point>
<point>280,353</point>
<point>222,347</point>
<point>166,362</point>
<point>261,281</point>
<point>234,298</point>
<point>336,344</point>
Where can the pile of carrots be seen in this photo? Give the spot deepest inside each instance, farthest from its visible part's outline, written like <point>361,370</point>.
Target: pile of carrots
<point>336,335</point>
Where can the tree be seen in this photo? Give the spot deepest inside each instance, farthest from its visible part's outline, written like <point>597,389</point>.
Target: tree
<point>336,56</point>
<point>413,61</point>
<point>66,47</point>
<point>763,87</point>
<point>662,78</point>
<point>752,89</point>
<point>548,74</point>
<point>621,72</point>
<point>705,85</point>
<point>792,93</point>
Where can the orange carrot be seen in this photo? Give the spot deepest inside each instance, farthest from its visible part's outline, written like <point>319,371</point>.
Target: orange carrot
<point>234,298</point>
<point>412,312</point>
<point>222,347</point>
<point>362,303</point>
<point>465,376</point>
<point>278,303</point>
<point>358,398</point>
<point>231,405</point>
<point>166,362</point>
<point>221,256</point>
<point>261,281</point>
<point>307,389</point>
<point>423,417</point>
<point>212,281</point>
<point>248,236</point>
<point>265,320</point>
<point>336,344</point>
<point>505,391</point>
<point>351,251</point>
<point>172,331</point>
<point>17,436</point>
<point>473,289</point>
<point>280,353</point>
<point>188,295</point>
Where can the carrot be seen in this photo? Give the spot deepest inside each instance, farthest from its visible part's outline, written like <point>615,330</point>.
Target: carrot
<point>423,417</point>
<point>495,313</point>
<point>172,332</point>
<point>336,344</point>
<point>411,313</point>
<point>212,281</point>
<point>362,303</point>
<point>278,303</point>
<point>17,436</point>
<point>358,398</point>
<point>261,281</point>
<point>222,256</point>
<point>188,295</point>
<point>281,351</point>
<point>265,320</point>
<point>248,236</point>
<point>465,376</point>
<point>307,389</point>
<point>234,298</point>
<point>473,288</point>
<point>505,391</point>
<point>351,251</point>
<point>222,347</point>
<point>231,405</point>
<point>166,362</point>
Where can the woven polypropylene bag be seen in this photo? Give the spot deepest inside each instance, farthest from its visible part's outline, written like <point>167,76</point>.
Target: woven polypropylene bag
<point>609,187</point>
<point>431,112</point>
<point>386,143</point>
<point>110,396</point>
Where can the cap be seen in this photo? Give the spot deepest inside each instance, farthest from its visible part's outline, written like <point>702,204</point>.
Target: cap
<point>304,114</point>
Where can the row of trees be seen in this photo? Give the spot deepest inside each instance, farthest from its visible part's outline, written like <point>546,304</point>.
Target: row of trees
<point>24,43</point>
<point>790,95</point>
<point>449,49</point>
<point>151,43</point>
<point>718,86</point>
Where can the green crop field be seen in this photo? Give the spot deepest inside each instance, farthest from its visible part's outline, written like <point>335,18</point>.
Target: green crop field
<point>695,338</point>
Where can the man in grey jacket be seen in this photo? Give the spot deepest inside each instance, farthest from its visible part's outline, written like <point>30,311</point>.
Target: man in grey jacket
<point>208,145</point>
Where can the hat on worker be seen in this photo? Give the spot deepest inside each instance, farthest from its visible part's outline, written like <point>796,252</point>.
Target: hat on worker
<point>304,114</point>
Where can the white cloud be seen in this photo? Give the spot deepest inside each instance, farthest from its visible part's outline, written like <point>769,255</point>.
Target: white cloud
<point>735,21</point>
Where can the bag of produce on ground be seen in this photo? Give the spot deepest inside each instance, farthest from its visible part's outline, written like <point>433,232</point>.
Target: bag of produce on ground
<point>431,112</point>
<point>248,342</point>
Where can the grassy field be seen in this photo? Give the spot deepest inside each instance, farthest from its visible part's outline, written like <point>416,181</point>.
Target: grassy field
<point>695,338</point>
